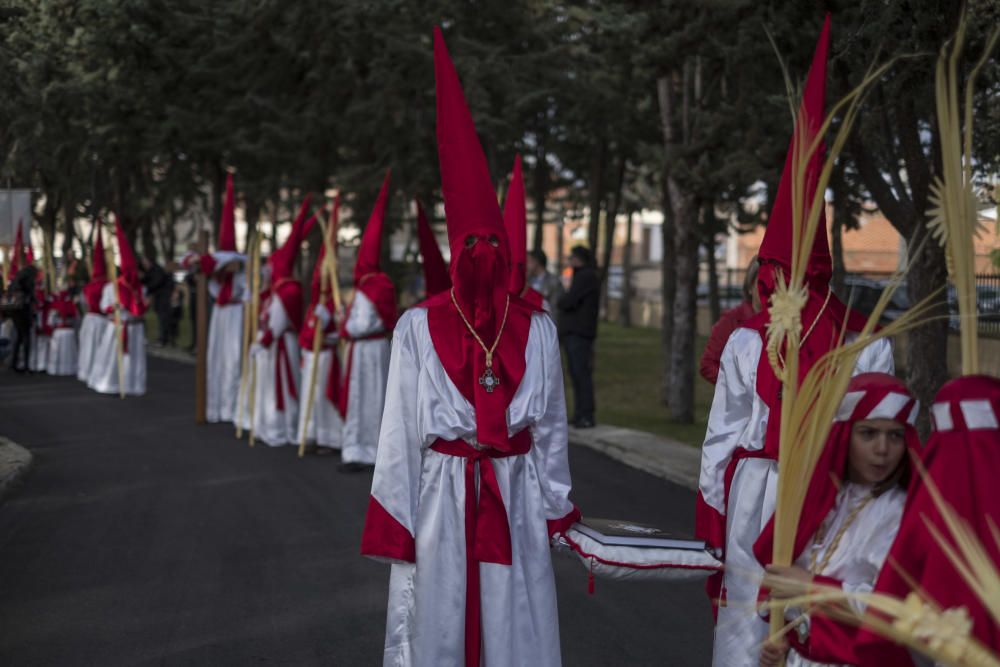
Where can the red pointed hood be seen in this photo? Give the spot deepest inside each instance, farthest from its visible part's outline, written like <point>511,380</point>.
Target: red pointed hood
<point>470,202</point>
<point>436,278</point>
<point>515,218</point>
<point>227,226</point>
<point>282,260</point>
<point>29,253</point>
<point>129,272</point>
<point>370,250</point>
<point>776,247</point>
<point>15,261</point>
<point>314,291</point>
<point>99,273</point>
<point>480,269</point>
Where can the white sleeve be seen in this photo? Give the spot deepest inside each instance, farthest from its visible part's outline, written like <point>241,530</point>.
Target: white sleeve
<point>549,433</point>
<point>732,406</point>
<point>107,297</point>
<point>277,318</point>
<point>392,508</point>
<point>363,320</point>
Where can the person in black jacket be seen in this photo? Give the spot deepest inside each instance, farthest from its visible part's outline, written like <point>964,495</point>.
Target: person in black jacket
<point>22,292</point>
<point>578,328</point>
<point>159,286</point>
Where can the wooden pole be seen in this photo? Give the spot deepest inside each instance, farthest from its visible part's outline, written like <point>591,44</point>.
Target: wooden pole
<point>248,323</point>
<point>314,366</point>
<point>119,329</point>
<point>201,332</point>
<point>254,319</point>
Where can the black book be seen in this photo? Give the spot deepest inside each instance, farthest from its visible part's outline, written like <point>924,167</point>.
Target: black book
<point>616,532</point>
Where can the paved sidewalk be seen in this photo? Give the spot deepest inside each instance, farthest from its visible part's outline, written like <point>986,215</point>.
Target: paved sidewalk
<point>15,461</point>
<point>668,459</point>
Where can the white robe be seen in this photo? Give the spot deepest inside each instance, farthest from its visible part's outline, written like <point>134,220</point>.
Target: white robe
<point>861,553</point>
<point>272,426</point>
<point>366,385</point>
<point>104,365</point>
<point>738,418</point>
<point>38,355</point>
<point>423,491</point>
<point>225,351</point>
<point>62,348</point>
<point>90,332</point>
<point>325,426</point>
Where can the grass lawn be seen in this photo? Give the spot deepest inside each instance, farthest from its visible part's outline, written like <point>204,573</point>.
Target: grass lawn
<point>627,381</point>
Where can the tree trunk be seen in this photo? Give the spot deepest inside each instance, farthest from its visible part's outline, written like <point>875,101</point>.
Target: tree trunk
<point>69,231</point>
<point>596,186</point>
<point>218,193</point>
<point>714,305</point>
<point>610,222</point>
<point>147,237</point>
<point>927,344</point>
<point>540,192</point>
<point>685,210</point>
<point>625,310</point>
<point>841,210</point>
<point>668,282</point>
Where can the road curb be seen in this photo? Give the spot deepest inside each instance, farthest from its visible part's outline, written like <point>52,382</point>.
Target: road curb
<point>665,458</point>
<point>15,462</point>
<point>171,354</point>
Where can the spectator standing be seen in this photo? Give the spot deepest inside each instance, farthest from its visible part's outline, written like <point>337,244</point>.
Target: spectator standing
<point>159,286</point>
<point>578,328</point>
<point>22,294</point>
<point>728,322</point>
<point>544,281</point>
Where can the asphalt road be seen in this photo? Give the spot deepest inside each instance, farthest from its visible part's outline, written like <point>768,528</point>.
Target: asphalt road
<point>142,539</point>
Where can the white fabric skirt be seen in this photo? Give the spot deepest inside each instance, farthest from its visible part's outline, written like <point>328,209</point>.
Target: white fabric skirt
<point>225,347</point>
<point>369,373</point>
<point>104,373</point>
<point>270,425</point>
<point>89,333</point>
<point>325,426</point>
<point>38,356</point>
<point>62,352</point>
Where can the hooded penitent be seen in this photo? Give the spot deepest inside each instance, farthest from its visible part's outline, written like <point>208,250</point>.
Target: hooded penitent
<point>225,251</point>
<point>129,287</point>
<point>322,293</point>
<point>99,274</point>
<point>436,278</point>
<point>824,315</point>
<point>282,264</point>
<point>962,458</point>
<point>515,218</point>
<point>869,396</point>
<point>368,275</point>
<point>480,269</point>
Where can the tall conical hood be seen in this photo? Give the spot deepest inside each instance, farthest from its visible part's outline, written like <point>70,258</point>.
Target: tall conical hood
<point>470,202</point>
<point>776,246</point>
<point>515,218</point>
<point>436,278</point>
<point>370,250</point>
<point>129,267</point>
<point>282,260</point>
<point>331,230</point>
<point>227,226</point>
<point>99,272</point>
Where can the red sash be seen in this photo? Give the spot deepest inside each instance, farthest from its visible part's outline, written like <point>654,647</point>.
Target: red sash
<point>283,360</point>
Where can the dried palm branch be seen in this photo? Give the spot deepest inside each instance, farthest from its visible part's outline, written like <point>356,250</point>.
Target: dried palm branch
<point>954,219</point>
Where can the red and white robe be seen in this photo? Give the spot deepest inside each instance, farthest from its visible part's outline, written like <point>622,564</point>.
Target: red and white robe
<point>275,356</point>
<point>62,344</point>
<point>419,509</point>
<point>225,345</point>
<point>104,365</point>
<point>91,329</point>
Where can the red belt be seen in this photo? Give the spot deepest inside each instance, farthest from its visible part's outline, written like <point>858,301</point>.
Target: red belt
<point>487,528</point>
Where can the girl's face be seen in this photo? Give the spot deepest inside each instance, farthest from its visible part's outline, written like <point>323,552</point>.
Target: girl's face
<point>877,448</point>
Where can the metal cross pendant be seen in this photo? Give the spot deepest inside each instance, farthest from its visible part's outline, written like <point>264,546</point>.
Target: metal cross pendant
<point>489,381</point>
